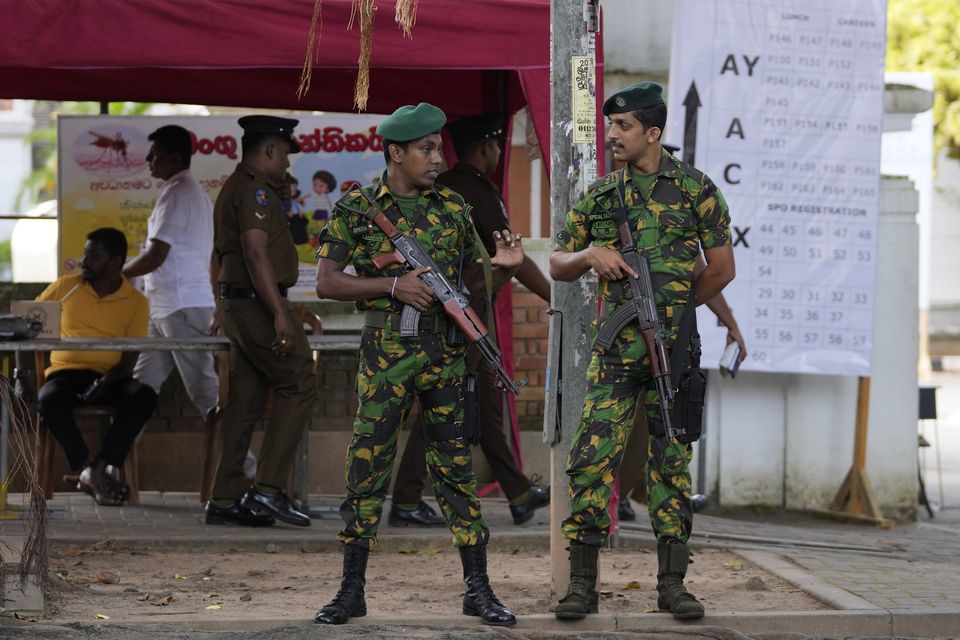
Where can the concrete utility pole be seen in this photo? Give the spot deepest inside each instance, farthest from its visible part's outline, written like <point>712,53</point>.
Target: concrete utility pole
<point>573,165</point>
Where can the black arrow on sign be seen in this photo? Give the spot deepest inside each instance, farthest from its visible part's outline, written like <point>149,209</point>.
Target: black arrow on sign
<point>692,103</point>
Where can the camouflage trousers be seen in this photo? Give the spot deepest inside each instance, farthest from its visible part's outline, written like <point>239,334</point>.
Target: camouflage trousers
<point>615,378</point>
<point>392,370</point>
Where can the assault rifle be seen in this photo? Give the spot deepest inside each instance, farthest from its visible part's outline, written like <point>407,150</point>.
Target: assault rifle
<point>455,304</point>
<point>642,308</point>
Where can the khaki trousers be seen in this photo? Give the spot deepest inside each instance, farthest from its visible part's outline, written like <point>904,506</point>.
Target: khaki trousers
<point>254,369</point>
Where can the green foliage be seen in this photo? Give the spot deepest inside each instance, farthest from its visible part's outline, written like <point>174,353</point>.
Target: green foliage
<point>923,35</point>
<point>41,183</point>
<point>6,259</point>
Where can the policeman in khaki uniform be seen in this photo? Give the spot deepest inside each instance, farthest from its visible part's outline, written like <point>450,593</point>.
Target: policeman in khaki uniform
<point>392,368</point>
<point>255,260</point>
<point>672,210</point>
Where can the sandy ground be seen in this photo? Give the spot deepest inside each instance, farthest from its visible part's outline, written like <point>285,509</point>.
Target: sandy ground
<point>158,586</point>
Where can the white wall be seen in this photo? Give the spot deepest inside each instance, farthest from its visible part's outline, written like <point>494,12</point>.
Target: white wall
<point>15,124</point>
<point>636,35</point>
<point>945,258</point>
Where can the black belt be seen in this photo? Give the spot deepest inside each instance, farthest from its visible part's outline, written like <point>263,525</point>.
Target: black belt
<point>230,292</point>
<point>382,320</point>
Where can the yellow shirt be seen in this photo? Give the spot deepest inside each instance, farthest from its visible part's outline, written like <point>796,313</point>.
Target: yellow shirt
<point>125,313</point>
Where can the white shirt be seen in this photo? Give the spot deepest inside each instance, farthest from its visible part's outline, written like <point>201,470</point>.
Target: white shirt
<point>182,218</point>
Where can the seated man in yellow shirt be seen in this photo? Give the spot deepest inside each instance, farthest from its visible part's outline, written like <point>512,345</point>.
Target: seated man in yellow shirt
<point>98,303</point>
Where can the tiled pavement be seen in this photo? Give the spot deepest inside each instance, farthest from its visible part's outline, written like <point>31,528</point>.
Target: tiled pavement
<point>893,579</point>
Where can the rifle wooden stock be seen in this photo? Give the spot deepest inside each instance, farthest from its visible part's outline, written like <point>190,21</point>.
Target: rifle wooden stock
<point>387,259</point>
<point>465,319</point>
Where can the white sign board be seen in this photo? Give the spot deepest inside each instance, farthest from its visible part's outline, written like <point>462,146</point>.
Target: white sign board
<point>780,102</point>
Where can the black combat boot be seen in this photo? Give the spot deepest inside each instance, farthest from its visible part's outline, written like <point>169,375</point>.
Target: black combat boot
<point>674,597</point>
<point>479,600</point>
<point>581,597</point>
<point>349,601</point>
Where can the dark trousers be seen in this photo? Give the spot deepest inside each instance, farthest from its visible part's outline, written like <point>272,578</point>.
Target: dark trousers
<point>412,472</point>
<point>134,403</point>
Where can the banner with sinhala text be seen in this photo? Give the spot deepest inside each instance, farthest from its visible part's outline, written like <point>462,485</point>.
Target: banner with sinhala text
<point>104,179</point>
<point>780,102</point>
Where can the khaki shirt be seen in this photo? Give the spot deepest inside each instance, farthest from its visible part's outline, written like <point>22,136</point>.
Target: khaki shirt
<point>251,200</point>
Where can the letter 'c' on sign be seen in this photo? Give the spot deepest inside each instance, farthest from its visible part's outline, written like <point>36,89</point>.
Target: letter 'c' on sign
<point>728,170</point>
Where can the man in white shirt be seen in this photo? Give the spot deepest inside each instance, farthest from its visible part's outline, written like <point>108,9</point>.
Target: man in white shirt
<point>175,265</point>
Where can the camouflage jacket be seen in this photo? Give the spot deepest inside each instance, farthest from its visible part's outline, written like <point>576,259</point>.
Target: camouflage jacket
<point>441,225</point>
<point>682,210</point>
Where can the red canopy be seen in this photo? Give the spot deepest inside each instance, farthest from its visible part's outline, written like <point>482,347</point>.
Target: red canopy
<point>464,56</point>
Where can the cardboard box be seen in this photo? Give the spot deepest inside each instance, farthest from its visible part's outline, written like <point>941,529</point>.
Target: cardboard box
<point>47,312</point>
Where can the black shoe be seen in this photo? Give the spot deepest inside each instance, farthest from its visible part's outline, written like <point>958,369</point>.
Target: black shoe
<point>699,502</point>
<point>538,497</point>
<point>349,601</point>
<point>277,505</point>
<point>479,599</point>
<point>422,515</point>
<point>235,514</point>
<point>625,511</point>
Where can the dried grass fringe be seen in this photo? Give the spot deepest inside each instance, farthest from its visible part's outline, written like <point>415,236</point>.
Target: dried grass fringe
<point>34,560</point>
<point>361,90</point>
<point>313,50</point>
<point>405,15</point>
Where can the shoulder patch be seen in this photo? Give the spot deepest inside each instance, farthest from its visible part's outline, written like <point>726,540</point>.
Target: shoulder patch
<point>688,169</point>
<point>604,183</point>
<point>260,195</point>
<point>446,192</point>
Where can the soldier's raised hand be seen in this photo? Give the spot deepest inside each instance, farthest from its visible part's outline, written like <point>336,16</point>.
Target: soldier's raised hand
<point>509,252</point>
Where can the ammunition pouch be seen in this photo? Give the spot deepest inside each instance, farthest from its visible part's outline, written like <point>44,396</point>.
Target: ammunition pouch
<point>468,429</point>
<point>471,409</point>
<point>687,412</point>
<point>455,337</point>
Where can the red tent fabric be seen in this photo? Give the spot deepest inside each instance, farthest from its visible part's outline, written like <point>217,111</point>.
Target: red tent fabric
<point>249,53</point>
<point>465,56</point>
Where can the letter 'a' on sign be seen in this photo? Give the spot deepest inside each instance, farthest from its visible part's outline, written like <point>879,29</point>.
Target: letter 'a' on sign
<point>781,103</point>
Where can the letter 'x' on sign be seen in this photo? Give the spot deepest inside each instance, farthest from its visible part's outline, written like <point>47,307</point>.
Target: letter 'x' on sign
<point>741,237</point>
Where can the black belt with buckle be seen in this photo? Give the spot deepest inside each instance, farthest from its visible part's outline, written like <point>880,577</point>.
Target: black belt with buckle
<point>230,292</point>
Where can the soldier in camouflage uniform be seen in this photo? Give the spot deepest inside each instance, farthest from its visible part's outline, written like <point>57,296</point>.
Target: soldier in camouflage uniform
<point>392,368</point>
<point>672,211</point>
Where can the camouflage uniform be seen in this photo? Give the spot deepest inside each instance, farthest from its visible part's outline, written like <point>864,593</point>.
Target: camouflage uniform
<point>682,210</point>
<point>392,369</point>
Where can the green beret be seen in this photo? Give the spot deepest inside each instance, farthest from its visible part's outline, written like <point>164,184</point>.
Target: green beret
<point>412,122</point>
<point>636,96</point>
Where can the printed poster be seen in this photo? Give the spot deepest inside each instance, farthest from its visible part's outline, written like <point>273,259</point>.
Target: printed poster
<point>780,102</point>
<point>104,179</point>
